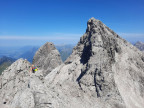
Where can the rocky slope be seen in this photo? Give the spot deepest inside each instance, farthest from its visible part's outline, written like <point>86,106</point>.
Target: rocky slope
<point>13,80</point>
<point>103,71</point>
<point>47,58</point>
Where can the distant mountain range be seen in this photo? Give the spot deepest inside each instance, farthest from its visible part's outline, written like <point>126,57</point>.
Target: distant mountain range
<point>8,55</point>
<point>5,62</point>
<point>27,52</point>
<point>65,51</point>
<point>139,45</point>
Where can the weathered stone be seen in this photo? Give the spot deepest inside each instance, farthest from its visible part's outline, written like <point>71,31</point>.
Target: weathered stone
<point>47,58</point>
<point>99,69</point>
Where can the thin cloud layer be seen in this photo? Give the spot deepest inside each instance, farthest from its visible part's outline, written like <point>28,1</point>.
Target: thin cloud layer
<point>58,38</point>
<point>51,37</point>
<point>131,35</point>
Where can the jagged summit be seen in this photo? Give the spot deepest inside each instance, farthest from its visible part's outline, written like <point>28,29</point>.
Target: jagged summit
<point>96,26</point>
<point>93,23</point>
<point>97,32</point>
<point>97,35</point>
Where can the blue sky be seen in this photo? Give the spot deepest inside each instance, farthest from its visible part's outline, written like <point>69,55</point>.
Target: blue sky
<point>33,22</point>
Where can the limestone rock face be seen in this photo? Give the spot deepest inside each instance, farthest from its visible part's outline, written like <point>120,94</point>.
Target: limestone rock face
<point>47,58</point>
<point>13,79</point>
<point>103,71</point>
<point>20,88</point>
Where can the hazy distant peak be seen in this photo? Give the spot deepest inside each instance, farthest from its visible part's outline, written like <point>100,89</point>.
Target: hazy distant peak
<point>139,45</point>
<point>139,42</point>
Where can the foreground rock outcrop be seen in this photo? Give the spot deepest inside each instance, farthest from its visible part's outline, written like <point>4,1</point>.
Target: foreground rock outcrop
<point>13,80</point>
<point>104,71</point>
<point>21,88</point>
<point>47,58</point>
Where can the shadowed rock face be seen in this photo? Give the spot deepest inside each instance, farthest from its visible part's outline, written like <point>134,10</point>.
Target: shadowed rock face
<point>47,58</point>
<point>104,71</point>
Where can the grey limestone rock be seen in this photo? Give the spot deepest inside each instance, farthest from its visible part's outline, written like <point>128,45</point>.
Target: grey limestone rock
<point>15,78</point>
<point>20,88</point>
<point>103,67</point>
<point>47,58</point>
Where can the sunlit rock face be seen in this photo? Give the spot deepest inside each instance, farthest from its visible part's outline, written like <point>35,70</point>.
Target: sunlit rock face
<point>47,58</point>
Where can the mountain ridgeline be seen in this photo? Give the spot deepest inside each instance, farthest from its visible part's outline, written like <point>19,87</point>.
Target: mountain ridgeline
<point>103,71</point>
<point>28,52</point>
<point>5,62</point>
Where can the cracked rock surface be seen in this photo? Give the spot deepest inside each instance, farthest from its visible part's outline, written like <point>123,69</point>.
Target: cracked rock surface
<point>104,71</point>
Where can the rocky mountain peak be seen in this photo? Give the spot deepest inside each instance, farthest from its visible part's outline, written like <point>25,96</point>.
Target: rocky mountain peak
<point>96,26</point>
<point>97,62</point>
<point>97,36</point>
<point>47,58</point>
<point>103,71</point>
<point>46,48</point>
<point>93,23</point>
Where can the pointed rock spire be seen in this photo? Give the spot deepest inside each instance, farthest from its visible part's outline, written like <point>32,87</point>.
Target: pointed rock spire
<point>47,58</point>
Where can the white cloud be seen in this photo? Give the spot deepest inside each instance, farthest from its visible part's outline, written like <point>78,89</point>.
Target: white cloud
<point>60,38</point>
<point>132,37</point>
<point>57,36</point>
<point>137,35</point>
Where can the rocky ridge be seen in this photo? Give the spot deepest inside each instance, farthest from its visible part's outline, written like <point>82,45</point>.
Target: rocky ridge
<point>103,71</point>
